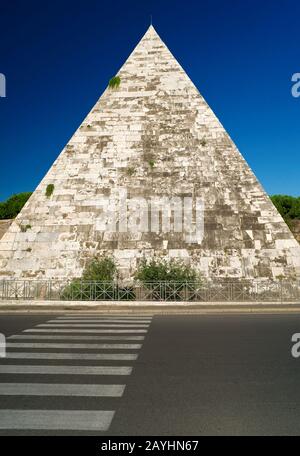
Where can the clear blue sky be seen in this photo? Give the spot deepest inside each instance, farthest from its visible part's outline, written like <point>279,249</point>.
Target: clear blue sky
<point>58,57</point>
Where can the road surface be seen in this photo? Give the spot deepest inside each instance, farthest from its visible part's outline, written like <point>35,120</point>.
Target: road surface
<point>149,375</point>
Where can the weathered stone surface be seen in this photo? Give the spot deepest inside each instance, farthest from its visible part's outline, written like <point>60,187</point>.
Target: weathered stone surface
<point>156,116</point>
<point>296,229</point>
<point>4,225</point>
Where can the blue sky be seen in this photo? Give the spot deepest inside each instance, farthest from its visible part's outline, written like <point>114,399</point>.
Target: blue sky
<point>58,57</point>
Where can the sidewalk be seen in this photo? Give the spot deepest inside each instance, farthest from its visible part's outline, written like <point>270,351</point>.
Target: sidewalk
<point>152,307</point>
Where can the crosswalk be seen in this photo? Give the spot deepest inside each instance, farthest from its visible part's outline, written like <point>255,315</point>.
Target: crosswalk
<point>67,374</point>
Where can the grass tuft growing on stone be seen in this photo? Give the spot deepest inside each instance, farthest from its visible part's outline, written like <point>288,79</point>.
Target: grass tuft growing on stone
<point>24,228</point>
<point>114,82</point>
<point>130,171</point>
<point>49,190</point>
<point>151,163</point>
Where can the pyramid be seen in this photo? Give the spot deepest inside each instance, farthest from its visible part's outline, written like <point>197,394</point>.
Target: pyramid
<point>151,136</point>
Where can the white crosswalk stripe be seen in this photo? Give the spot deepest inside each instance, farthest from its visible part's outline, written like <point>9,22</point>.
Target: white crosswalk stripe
<point>68,337</point>
<point>66,370</point>
<point>95,330</point>
<point>97,320</point>
<point>79,347</point>
<point>134,317</point>
<point>75,420</point>
<point>81,356</point>
<point>63,345</point>
<point>89,325</point>
<point>60,389</point>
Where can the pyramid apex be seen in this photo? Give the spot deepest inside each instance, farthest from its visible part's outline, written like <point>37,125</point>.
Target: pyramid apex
<point>151,30</point>
<point>151,34</point>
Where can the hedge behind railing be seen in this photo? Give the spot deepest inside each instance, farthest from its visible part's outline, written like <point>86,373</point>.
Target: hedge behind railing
<point>79,290</point>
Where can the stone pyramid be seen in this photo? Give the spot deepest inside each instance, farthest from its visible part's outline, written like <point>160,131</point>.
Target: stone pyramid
<point>153,135</point>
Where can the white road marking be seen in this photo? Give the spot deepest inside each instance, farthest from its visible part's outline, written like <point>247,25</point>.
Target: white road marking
<point>66,370</point>
<point>97,315</point>
<point>81,356</point>
<point>108,319</point>
<point>87,325</point>
<point>77,337</point>
<point>56,335</point>
<point>95,331</point>
<point>77,420</point>
<point>62,345</point>
<point>97,320</point>
<point>60,389</point>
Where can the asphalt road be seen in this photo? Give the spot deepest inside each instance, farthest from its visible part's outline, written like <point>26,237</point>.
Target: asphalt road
<point>194,375</point>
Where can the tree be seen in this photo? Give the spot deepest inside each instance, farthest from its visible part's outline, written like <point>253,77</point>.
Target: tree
<point>287,206</point>
<point>11,207</point>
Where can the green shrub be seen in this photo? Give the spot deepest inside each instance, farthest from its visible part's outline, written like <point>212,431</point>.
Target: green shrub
<point>97,282</point>
<point>114,82</point>
<point>79,290</point>
<point>171,280</point>
<point>167,279</point>
<point>100,270</point>
<point>49,190</point>
<point>159,270</point>
<point>12,206</point>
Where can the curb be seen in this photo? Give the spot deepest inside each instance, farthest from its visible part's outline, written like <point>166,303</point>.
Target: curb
<point>147,307</point>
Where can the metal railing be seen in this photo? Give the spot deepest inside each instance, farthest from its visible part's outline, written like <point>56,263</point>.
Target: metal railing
<point>78,290</point>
